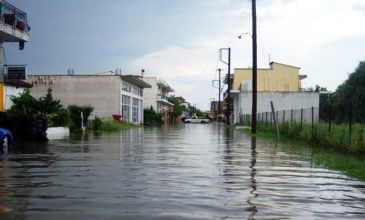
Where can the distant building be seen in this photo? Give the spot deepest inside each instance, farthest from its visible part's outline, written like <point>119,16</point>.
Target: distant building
<point>157,96</point>
<point>107,93</point>
<point>216,110</point>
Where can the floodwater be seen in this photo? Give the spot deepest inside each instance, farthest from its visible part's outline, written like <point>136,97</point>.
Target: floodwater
<point>190,171</point>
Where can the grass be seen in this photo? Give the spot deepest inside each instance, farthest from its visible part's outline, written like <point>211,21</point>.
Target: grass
<point>332,150</point>
<point>350,165</point>
<point>337,139</point>
<point>109,125</point>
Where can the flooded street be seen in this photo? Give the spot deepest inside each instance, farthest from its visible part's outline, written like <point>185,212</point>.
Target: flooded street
<point>190,171</point>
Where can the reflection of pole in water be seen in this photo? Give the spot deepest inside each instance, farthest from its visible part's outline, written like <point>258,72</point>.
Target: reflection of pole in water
<point>252,206</point>
<point>228,137</point>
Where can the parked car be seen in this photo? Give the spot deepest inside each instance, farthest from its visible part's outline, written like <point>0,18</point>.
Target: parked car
<point>197,120</point>
<point>6,140</point>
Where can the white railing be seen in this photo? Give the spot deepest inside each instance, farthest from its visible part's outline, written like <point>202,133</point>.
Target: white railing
<point>8,29</point>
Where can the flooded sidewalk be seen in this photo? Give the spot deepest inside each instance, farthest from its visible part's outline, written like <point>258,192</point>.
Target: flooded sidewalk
<point>189,171</point>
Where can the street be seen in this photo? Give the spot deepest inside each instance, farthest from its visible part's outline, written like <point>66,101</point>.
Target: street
<point>188,171</point>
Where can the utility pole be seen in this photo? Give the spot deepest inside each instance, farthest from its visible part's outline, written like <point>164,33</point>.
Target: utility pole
<point>228,63</point>
<point>254,69</point>
<point>219,94</point>
<point>218,108</point>
<point>229,86</point>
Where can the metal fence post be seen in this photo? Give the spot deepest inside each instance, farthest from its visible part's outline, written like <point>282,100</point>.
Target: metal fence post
<point>329,119</point>
<point>266,118</point>
<point>350,121</point>
<point>312,122</point>
<point>301,119</point>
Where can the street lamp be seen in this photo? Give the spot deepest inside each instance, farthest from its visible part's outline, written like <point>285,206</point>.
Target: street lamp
<point>245,33</point>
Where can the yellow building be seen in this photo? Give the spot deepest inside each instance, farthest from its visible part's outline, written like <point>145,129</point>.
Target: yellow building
<point>279,78</point>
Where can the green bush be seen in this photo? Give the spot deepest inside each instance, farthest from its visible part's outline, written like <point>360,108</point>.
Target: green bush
<point>44,107</point>
<point>151,117</point>
<point>75,116</point>
<point>98,124</point>
<point>61,118</point>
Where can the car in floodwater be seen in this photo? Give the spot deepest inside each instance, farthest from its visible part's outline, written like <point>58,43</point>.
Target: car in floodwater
<point>6,140</point>
<point>195,119</point>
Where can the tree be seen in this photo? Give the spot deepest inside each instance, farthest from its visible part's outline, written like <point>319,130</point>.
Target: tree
<point>75,116</point>
<point>151,117</point>
<point>178,108</point>
<point>46,107</point>
<point>350,96</point>
<point>318,88</point>
<point>24,104</point>
<point>48,104</point>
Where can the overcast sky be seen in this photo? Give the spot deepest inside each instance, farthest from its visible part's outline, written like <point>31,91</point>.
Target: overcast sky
<point>178,40</point>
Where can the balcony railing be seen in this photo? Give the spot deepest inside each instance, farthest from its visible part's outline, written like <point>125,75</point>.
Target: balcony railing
<point>13,23</point>
<point>163,98</point>
<point>13,16</point>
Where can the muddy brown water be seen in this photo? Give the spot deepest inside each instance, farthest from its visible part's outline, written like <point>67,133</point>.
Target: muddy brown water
<point>190,171</point>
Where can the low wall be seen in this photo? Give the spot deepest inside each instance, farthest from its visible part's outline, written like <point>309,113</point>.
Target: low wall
<point>288,105</point>
<point>58,133</point>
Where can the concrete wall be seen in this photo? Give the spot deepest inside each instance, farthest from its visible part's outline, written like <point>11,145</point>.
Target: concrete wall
<point>279,77</point>
<point>150,94</point>
<point>100,92</point>
<point>283,101</point>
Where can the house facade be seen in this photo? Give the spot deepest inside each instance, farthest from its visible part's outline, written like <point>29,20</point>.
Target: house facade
<point>279,77</point>
<point>157,96</point>
<point>14,28</point>
<point>107,93</point>
<point>281,83</point>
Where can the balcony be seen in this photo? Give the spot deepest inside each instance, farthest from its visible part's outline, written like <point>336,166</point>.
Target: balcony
<point>163,99</point>
<point>13,24</point>
<point>163,86</point>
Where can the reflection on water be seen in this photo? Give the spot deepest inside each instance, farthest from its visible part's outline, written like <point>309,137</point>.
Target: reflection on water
<point>252,206</point>
<point>189,171</point>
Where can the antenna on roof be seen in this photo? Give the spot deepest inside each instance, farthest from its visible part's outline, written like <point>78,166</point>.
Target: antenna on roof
<point>118,71</point>
<point>70,72</point>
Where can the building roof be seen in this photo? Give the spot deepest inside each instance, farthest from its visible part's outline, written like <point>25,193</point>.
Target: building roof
<point>133,79</point>
<point>136,80</point>
<point>164,84</point>
<point>17,83</point>
<point>271,63</point>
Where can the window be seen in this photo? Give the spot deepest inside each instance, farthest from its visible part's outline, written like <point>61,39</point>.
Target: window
<point>126,102</point>
<point>126,87</point>
<point>135,109</point>
<point>159,107</point>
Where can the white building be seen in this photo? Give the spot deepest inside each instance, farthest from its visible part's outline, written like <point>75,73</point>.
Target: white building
<point>158,96</point>
<point>107,93</point>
